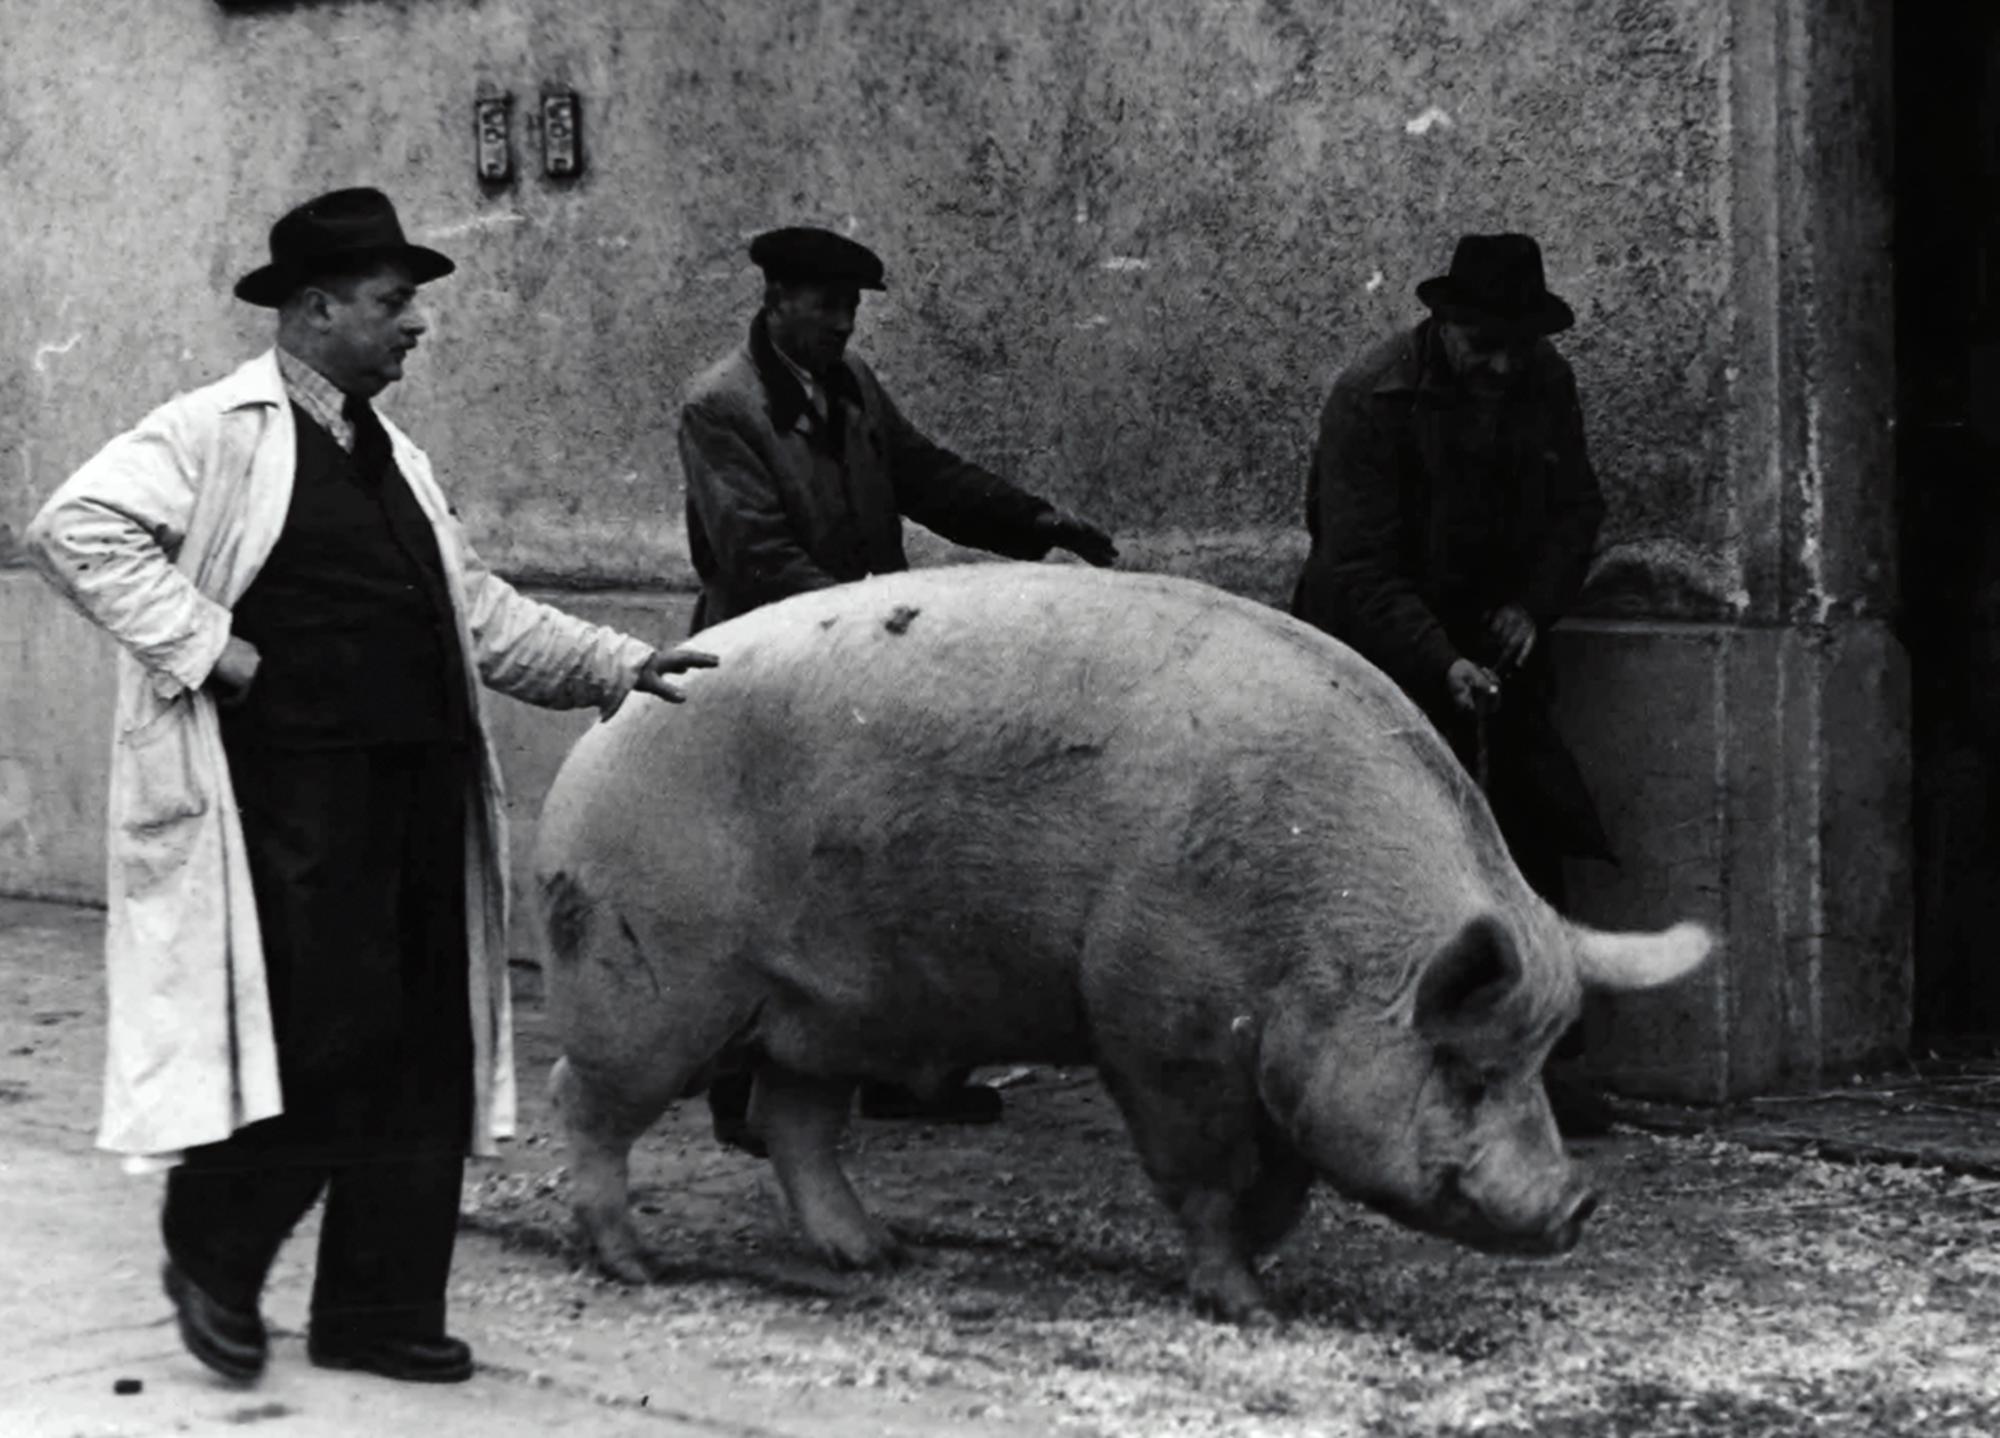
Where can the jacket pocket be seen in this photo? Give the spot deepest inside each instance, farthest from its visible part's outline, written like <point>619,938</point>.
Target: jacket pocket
<point>163,801</point>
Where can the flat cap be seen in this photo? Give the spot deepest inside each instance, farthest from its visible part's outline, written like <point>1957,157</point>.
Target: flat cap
<point>804,254</point>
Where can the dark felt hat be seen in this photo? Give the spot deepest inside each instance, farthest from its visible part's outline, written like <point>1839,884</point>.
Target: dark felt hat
<point>1497,279</point>
<point>337,232</point>
<point>805,255</point>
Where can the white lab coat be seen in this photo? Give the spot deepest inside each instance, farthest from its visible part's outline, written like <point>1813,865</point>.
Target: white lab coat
<point>155,538</point>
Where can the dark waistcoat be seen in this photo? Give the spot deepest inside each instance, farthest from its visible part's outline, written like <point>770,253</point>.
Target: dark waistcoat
<point>350,614</point>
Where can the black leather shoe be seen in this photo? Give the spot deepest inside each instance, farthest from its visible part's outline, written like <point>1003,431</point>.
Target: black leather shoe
<point>228,1340</point>
<point>967,1103</point>
<point>407,1359</point>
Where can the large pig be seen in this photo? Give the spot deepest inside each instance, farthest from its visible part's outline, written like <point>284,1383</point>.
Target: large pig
<point>1016,813</point>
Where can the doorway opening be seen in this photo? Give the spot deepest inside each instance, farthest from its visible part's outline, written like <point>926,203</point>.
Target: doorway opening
<point>1947,85</point>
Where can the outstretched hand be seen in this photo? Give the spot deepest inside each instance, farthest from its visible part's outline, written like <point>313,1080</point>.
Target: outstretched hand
<point>1079,536</point>
<point>652,674</point>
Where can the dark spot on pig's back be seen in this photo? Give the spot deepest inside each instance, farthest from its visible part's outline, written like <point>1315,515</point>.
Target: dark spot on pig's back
<point>900,618</point>
<point>1056,759</point>
<point>566,912</point>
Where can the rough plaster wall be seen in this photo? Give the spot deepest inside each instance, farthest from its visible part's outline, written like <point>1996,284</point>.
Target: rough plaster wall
<point>1130,241</point>
<point>1130,245</point>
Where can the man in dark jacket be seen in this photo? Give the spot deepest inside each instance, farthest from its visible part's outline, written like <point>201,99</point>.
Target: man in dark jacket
<point>1453,511</point>
<point>800,471</point>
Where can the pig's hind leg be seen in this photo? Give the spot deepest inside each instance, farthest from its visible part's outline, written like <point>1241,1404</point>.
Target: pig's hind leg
<point>602,1123</point>
<point>801,1118</point>
<point>628,1052</point>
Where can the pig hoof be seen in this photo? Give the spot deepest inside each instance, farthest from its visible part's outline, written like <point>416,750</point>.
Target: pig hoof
<point>1231,1298</point>
<point>622,1258</point>
<point>1255,1314</point>
<point>633,1269</point>
<point>872,1247</point>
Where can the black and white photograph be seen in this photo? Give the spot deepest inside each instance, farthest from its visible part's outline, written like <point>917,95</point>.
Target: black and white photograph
<point>1000,718</point>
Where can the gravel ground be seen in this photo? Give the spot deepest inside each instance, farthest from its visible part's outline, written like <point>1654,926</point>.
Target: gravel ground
<point>1721,1290</point>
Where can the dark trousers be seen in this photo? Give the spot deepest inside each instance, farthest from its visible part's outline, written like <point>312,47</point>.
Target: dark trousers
<point>1540,861</point>
<point>1536,849</point>
<point>357,858</point>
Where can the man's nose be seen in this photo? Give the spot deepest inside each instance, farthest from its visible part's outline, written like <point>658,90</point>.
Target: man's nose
<point>415,322</point>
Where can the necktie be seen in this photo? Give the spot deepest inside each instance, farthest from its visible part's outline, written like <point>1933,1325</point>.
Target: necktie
<point>371,441</point>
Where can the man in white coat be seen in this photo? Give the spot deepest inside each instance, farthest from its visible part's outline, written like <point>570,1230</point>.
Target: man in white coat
<point>305,946</point>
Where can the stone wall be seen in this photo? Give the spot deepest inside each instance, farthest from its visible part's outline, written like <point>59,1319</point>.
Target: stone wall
<point>1129,245</point>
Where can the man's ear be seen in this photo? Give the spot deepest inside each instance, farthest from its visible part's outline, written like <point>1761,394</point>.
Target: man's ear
<point>315,306</point>
<point>1469,980</point>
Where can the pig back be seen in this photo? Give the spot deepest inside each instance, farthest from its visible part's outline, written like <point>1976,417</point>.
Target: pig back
<point>995,761</point>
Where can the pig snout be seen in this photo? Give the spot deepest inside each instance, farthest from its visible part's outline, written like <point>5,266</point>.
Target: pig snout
<point>1511,1213</point>
<point>1553,1231</point>
<point>1562,1235</point>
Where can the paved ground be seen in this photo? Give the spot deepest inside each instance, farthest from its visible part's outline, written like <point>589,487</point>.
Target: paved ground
<point>1727,1289</point>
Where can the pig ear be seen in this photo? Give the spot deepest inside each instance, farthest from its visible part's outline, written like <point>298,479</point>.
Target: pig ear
<point>1469,978</point>
<point>1640,961</point>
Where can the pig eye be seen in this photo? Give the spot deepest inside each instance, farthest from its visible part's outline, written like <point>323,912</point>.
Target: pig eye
<point>1469,1082</point>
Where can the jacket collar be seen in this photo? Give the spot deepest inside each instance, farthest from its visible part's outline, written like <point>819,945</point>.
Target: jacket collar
<point>261,382</point>
<point>1417,368</point>
<point>787,396</point>
<point>254,382</point>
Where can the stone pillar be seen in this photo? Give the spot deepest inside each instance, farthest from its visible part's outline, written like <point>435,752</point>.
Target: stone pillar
<point>1750,738</point>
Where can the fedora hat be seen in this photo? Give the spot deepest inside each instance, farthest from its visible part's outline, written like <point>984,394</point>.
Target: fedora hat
<point>807,255</point>
<point>1497,279</point>
<point>335,232</point>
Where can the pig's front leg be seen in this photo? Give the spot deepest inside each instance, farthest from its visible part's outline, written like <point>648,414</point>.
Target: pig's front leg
<point>1196,1128</point>
<point>1229,1223</point>
<point>1276,1200</point>
<point>1220,1279</point>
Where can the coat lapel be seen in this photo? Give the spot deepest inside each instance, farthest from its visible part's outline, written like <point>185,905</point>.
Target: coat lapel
<point>1431,421</point>
<point>241,509</point>
<point>785,398</point>
<point>1430,426</point>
